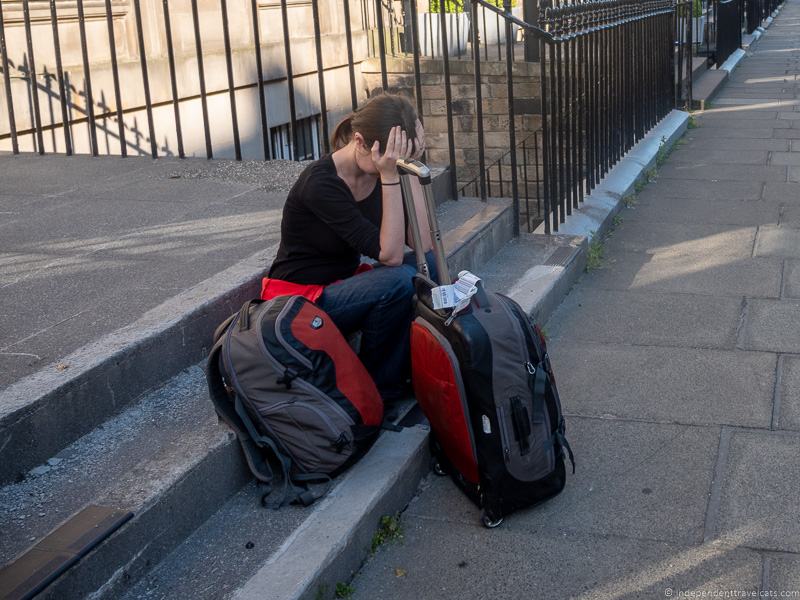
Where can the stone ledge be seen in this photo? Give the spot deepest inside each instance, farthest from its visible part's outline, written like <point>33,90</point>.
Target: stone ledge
<point>330,545</point>
<point>46,411</point>
<point>593,217</point>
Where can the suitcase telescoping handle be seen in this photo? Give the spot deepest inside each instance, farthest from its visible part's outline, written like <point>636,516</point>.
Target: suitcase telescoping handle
<point>414,168</point>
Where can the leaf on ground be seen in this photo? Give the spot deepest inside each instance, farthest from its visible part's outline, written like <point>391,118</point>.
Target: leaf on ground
<point>398,572</point>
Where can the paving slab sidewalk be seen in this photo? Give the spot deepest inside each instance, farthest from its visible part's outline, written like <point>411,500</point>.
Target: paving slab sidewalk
<point>88,245</point>
<point>678,366</point>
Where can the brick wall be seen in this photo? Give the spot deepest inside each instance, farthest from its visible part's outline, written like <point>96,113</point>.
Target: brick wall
<point>495,123</point>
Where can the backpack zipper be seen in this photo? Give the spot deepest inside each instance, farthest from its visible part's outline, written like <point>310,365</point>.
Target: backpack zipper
<point>226,357</point>
<point>299,381</point>
<point>336,432</point>
<point>504,437</point>
<point>544,364</point>
<point>282,339</point>
<point>527,365</point>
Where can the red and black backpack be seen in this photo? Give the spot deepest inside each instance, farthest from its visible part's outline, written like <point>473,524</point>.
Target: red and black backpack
<point>283,377</point>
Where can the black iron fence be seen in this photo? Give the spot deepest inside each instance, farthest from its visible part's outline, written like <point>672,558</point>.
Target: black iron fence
<point>686,24</point>
<point>541,133</point>
<point>608,74</point>
<point>81,105</point>
<point>756,11</point>
<point>728,19</point>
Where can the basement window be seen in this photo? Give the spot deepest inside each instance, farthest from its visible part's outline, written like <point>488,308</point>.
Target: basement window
<point>306,139</point>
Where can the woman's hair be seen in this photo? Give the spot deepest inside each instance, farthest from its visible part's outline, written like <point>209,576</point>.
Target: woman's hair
<point>375,119</point>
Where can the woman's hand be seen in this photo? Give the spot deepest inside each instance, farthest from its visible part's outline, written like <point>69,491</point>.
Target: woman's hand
<point>419,141</point>
<point>397,146</point>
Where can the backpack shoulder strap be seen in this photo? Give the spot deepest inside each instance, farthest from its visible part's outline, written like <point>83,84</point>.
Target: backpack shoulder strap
<point>258,448</point>
<point>542,383</point>
<point>220,396</point>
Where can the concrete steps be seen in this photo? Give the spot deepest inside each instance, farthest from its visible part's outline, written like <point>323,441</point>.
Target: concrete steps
<point>246,553</point>
<point>699,66</point>
<point>44,412</point>
<point>705,87</point>
<point>161,454</point>
<point>165,459</point>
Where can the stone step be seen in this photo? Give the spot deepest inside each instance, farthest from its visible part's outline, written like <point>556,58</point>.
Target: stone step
<point>699,66</point>
<point>536,271</point>
<point>473,231</point>
<point>705,87</point>
<point>167,460</point>
<point>48,410</point>
<point>247,553</point>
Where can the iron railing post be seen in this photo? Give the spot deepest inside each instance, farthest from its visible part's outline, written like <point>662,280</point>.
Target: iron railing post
<point>287,49</point>
<point>381,43</point>
<point>112,46</point>
<point>512,134</point>
<point>348,34</point>
<point>226,39</point>
<point>172,77</point>
<point>62,91</point>
<point>448,95</point>
<point>262,93</point>
<point>145,78</point>
<point>7,85</point>
<point>34,87</point>
<point>476,57</point>
<point>323,105</point>
<point>198,45</point>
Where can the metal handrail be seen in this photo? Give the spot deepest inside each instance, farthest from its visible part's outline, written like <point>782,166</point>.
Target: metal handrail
<point>578,11</point>
<point>538,31</point>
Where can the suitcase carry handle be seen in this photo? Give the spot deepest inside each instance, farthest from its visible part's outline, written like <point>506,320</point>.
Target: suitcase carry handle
<point>414,168</point>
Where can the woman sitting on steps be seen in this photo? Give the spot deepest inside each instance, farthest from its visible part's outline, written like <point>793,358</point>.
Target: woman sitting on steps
<point>348,204</point>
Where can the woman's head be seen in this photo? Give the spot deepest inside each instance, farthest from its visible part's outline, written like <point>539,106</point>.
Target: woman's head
<point>374,120</point>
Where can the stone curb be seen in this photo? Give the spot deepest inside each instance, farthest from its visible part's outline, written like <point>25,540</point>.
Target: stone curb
<point>734,60</point>
<point>595,215</point>
<point>103,377</point>
<point>331,544</point>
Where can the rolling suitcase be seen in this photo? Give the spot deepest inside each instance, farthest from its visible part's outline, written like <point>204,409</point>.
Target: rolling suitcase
<point>483,378</point>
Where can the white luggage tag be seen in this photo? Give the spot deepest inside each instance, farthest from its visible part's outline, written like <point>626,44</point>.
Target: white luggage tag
<point>456,296</point>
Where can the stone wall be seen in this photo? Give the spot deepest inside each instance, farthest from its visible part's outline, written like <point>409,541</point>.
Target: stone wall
<point>495,123</point>
<point>301,33</point>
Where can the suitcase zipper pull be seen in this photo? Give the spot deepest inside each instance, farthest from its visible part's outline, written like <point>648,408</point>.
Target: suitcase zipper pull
<point>531,368</point>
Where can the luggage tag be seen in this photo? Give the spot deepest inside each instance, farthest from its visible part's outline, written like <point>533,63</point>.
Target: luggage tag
<point>456,296</point>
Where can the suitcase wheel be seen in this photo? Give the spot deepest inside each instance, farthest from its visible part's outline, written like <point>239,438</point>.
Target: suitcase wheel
<point>488,521</point>
<point>437,468</point>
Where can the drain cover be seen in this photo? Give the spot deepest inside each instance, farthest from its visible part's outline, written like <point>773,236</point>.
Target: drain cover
<point>560,258</point>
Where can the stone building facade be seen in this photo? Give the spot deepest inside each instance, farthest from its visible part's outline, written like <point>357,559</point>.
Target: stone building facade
<point>301,35</point>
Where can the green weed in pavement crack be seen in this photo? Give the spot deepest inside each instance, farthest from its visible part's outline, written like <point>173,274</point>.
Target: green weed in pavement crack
<point>594,257</point>
<point>344,590</point>
<point>663,152</point>
<point>389,530</point>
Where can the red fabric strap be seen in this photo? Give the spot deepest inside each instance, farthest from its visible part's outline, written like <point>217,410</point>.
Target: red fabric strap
<point>274,288</point>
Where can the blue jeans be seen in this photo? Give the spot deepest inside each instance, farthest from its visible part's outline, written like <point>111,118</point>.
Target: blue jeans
<point>378,303</point>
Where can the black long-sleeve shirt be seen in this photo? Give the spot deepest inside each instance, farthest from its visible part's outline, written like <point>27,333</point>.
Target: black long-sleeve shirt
<point>324,230</point>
